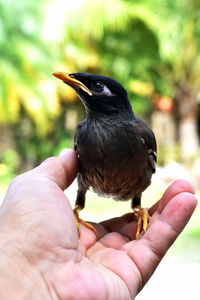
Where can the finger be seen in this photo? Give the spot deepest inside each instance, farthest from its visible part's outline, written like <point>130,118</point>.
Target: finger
<point>116,224</point>
<point>62,170</point>
<point>179,186</point>
<point>113,240</point>
<point>70,161</point>
<point>148,251</point>
<point>154,208</point>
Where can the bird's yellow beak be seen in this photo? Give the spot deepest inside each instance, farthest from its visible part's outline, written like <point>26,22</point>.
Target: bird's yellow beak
<point>69,79</point>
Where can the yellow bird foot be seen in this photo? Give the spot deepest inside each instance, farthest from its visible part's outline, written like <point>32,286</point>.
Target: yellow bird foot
<point>143,220</point>
<point>78,220</point>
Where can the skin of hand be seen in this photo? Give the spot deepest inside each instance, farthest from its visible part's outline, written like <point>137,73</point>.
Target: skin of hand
<point>42,257</point>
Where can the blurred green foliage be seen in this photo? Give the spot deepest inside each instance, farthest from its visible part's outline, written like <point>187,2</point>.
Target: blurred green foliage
<point>151,47</point>
<point>170,153</point>
<point>8,166</point>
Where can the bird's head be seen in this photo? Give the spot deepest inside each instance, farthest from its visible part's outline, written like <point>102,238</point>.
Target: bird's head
<point>101,95</point>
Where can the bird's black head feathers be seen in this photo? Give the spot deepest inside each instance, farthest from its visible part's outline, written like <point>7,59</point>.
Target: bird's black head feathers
<point>101,95</point>
<point>91,79</point>
<point>108,95</point>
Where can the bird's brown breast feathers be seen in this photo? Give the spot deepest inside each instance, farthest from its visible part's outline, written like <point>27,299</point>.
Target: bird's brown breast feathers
<point>113,159</point>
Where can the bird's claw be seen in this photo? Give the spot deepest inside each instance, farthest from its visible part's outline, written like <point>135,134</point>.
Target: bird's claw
<point>143,220</point>
<point>81,221</point>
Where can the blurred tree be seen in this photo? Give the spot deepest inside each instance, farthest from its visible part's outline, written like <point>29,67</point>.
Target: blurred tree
<point>24,62</point>
<point>151,47</point>
<point>28,103</point>
<point>177,26</point>
<point>184,60</point>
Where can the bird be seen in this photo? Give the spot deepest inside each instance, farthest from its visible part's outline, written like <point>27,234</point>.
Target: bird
<point>117,150</point>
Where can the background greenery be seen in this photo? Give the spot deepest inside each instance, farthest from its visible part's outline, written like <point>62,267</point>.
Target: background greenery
<point>151,47</point>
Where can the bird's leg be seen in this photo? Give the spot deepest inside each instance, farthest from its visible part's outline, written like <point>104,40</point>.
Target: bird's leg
<point>79,205</point>
<point>142,214</point>
<point>78,220</point>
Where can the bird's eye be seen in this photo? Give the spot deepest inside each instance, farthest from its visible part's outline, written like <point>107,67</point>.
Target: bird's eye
<point>98,87</point>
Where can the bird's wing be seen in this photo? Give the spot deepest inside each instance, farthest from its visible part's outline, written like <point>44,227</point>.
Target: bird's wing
<point>148,139</point>
<point>79,127</point>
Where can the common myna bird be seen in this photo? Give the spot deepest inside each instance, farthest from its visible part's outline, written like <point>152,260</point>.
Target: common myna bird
<point>116,149</point>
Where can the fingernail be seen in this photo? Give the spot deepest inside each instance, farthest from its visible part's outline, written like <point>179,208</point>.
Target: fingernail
<point>64,152</point>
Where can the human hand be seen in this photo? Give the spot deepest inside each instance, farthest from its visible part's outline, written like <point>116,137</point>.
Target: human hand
<point>41,256</point>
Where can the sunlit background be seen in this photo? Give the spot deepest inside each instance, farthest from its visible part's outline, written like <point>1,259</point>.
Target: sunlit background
<point>153,49</point>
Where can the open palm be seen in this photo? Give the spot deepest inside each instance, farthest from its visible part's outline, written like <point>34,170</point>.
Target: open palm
<point>39,220</point>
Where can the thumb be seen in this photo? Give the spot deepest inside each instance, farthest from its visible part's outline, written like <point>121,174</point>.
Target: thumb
<point>62,169</point>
